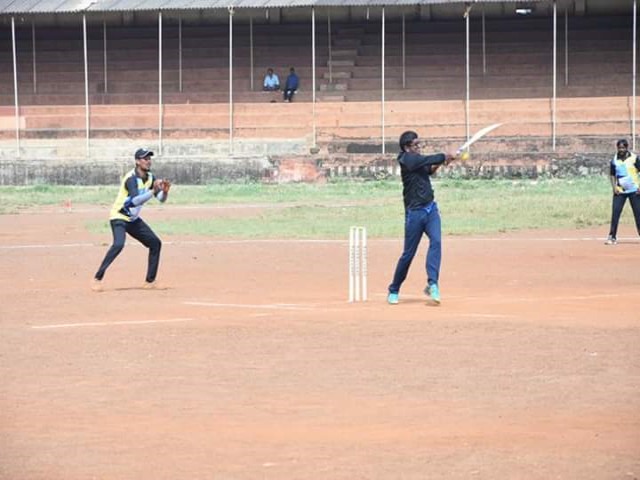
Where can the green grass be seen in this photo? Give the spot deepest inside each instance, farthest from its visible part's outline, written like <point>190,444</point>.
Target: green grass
<point>13,199</point>
<point>326,211</point>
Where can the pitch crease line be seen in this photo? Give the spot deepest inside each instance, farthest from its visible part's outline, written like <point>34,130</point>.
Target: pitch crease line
<point>547,298</point>
<point>272,306</point>
<point>328,241</point>
<point>108,324</point>
<point>498,299</point>
<point>61,245</point>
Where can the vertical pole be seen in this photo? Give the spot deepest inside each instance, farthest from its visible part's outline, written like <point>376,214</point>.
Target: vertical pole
<point>555,74</point>
<point>468,77</point>
<point>313,73</point>
<point>633,105</point>
<point>180,53</point>
<point>404,54</point>
<point>356,262</point>
<point>382,92</point>
<point>251,51</point>
<point>330,53</point>
<point>484,45</point>
<point>33,56</point>
<point>230,80</point>
<point>15,84</point>
<point>566,47</point>
<point>86,78</point>
<point>104,54</point>
<point>160,82</point>
<point>351,264</point>
<point>363,268</point>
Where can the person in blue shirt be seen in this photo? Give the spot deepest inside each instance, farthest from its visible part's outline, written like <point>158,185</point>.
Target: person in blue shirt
<point>624,171</point>
<point>291,85</point>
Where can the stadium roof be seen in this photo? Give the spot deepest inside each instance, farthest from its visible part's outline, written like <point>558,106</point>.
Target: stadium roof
<point>78,6</point>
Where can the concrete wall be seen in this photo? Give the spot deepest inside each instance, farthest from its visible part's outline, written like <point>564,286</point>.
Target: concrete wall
<point>192,172</point>
<point>307,169</point>
<point>497,157</point>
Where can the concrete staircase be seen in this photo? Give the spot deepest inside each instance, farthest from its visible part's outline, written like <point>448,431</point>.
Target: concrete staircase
<point>344,52</point>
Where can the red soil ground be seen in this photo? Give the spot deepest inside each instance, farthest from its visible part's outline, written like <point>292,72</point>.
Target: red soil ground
<point>251,365</point>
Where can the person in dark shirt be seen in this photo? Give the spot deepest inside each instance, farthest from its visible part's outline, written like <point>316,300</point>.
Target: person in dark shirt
<point>421,214</point>
<point>291,85</point>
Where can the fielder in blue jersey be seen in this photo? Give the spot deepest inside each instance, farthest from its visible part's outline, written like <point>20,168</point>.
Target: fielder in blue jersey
<point>624,169</point>
<point>137,187</point>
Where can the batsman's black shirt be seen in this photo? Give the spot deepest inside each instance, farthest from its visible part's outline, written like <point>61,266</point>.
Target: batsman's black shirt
<point>416,170</point>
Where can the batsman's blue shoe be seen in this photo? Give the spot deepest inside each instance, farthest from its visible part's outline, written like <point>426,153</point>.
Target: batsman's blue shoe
<point>433,292</point>
<point>392,299</point>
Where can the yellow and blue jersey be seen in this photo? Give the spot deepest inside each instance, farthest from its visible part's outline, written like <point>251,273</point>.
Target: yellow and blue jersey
<point>132,187</point>
<point>626,172</point>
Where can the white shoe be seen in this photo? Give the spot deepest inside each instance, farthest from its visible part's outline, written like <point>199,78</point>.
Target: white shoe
<point>153,286</point>
<point>96,285</point>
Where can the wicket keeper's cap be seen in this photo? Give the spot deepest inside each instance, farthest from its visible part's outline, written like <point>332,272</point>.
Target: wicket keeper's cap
<point>143,153</point>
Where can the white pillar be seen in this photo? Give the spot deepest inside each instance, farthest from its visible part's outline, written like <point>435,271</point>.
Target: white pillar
<point>160,108</point>
<point>15,84</point>
<point>484,45</point>
<point>633,105</point>
<point>86,78</point>
<point>404,54</point>
<point>313,76</point>
<point>104,54</point>
<point>555,75</point>
<point>230,80</point>
<point>468,76</point>
<point>251,51</point>
<point>330,53</point>
<point>566,47</point>
<point>382,93</point>
<point>180,53</point>
<point>33,56</point>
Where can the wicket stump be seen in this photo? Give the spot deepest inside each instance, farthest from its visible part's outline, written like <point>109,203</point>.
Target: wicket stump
<point>357,264</point>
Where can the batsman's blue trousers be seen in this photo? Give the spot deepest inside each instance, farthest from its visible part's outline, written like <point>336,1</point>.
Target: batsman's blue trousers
<point>423,220</point>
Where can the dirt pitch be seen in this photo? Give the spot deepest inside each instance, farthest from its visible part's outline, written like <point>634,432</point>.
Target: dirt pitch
<point>251,365</point>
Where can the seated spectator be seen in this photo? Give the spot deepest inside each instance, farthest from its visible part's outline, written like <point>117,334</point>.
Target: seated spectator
<point>271,82</point>
<point>291,85</point>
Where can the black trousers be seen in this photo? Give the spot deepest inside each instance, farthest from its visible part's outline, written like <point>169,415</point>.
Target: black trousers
<point>288,94</point>
<point>141,232</point>
<point>616,210</point>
